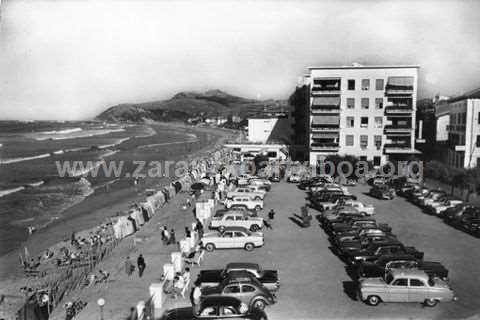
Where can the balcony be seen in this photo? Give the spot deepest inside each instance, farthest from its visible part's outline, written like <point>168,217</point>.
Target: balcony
<point>325,128</point>
<point>399,86</point>
<point>456,127</point>
<point>322,86</point>
<point>325,109</point>
<point>398,128</point>
<point>397,147</point>
<point>393,109</point>
<point>330,146</point>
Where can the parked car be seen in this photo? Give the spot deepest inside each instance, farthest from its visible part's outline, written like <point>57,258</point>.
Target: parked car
<point>382,191</point>
<point>472,225</point>
<point>348,246</point>
<point>236,219</point>
<point>256,188</point>
<point>379,267</point>
<point>232,237</point>
<point>246,191</point>
<point>376,250</point>
<point>329,201</point>
<point>356,223</point>
<point>454,215</point>
<point>244,201</point>
<point>356,236</point>
<point>339,214</point>
<point>269,278</point>
<point>294,178</point>
<point>262,183</point>
<point>405,286</point>
<point>216,308</point>
<point>245,287</point>
<point>274,178</point>
<point>251,213</point>
<point>243,179</point>
<point>431,197</point>
<point>366,209</point>
<point>439,207</point>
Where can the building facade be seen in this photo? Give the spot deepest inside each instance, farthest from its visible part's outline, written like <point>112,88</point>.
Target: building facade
<point>273,129</point>
<point>464,130</point>
<point>364,111</point>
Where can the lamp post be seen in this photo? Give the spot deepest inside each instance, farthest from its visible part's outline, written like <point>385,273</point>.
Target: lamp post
<point>101,303</point>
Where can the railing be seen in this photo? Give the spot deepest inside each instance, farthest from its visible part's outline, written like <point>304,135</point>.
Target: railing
<point>396,128</point>
<point>390,89</point>
<point>324,146</point>
<point>397,145</point>
<point>318,110</point>
<point>398,109</point>
<point>325,128</point>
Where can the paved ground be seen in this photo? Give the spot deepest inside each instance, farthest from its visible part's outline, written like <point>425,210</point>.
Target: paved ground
<point>314,284</point>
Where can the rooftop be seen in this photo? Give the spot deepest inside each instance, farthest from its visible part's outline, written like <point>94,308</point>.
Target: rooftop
<point>474,94</point>
<point>360,66</point>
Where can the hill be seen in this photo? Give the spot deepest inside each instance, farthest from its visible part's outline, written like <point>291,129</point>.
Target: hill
<point>188,104</point>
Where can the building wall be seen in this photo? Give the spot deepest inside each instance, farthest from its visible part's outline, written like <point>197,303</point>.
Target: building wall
<point>442,122</point>
<point>357,112</point>
<point>269,130</point>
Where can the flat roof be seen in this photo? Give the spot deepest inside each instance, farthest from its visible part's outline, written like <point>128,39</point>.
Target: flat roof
<point>365,67</point>
<point>474,94</point>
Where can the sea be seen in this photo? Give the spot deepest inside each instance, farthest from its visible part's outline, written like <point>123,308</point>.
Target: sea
<point>32,192</point>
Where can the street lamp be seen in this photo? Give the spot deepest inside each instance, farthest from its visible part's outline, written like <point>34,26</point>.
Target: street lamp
<point>101,303</point>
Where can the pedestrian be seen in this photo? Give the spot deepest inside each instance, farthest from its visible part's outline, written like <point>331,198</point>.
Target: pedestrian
<point>196,294</point>
<point>267,225</point>
<point>199,228</point>
<point>129,267</point>
<point>188,233</point>
<point>141,265</point>
<point>271,214</point>
<point>172,237</point>
<point>72,241</point>
<point>189,203</point>
<point>165,235</point>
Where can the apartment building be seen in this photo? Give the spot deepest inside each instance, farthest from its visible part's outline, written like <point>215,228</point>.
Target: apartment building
<point>463,146</point>
<point>365,111</point>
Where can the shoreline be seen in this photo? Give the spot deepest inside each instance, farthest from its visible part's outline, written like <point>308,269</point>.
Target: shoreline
<point>100,207</point>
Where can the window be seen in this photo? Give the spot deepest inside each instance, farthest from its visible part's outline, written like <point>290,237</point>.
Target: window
<point>363,158</point>
<point>365,103</point>
<point>478,141</point>
<point>350,103</point>
<point>229,218</point>
<point>379,103</point>
<point>416,283</point>
<point>228,235</point>
<point>378,122</point>
<point>247,288</point>
<point>400,282</point>
<point>239,234</point>
<point>351,84</point>
<point>479,118</point>
<point>232,289</point>
<point>377,160</point>
<point>366,84</point>
<point>350,122</point>
<point>378,142</point>
<point>363,141</point>
<point>349,140</point>
<point>364,122</point>
<point>379,84</point>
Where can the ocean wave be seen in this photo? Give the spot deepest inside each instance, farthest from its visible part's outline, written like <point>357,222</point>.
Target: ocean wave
<point>5,192</point>
<point>61,131</point>
<point>109,153</point>
<point>59,152</point>
<point>14,160</point>
<point>85,171</point>
<point>151,132</point>
<point>59,135</point>
<point>119,141</point>
<point>36,184</point>
<point>164,144</point>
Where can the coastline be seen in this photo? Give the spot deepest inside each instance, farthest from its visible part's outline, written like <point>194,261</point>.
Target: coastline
<point>98,207</point>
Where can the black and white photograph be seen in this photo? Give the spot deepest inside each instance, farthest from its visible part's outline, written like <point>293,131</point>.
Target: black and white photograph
<point>229,159</point>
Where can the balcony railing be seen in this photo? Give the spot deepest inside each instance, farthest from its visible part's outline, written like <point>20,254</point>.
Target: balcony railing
<point>455,127</point>
<point>316,128</point>
<point>398,128</point>
<point>400,90</point>
<point>397,145</point>
<point>324,146</point>
<point>325,109</point>
<point>398,109</point>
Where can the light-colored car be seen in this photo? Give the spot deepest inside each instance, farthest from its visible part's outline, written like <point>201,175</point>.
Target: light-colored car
<point>439,207</point>
<point>432,197</point>
<point>243,179</point>
<point>294,178</point>
<point>405,286</point>
<point>232,237</point>
<point>366,209</point>
<point>246,191</point>
<point>244,201</point>
<point>256,188</point>
<point>236,219</point>
<point>263,183</point>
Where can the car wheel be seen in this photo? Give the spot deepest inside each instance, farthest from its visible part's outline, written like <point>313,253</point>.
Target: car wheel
<point>259,304</point>
<point>431,302</point>
<point>221,229</point>
<point>254,228</point>
<point>249,247</point>
<point>210,247</point>
<point>373,300</point>
<point>258,208</point>
<point>258,198</point>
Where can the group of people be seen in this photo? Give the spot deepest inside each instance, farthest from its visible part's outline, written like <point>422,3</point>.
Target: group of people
<point>168,237</point>
<point>180,281</point>
<point>130,267</point>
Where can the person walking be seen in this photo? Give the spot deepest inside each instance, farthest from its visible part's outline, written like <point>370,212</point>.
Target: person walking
<point>271,214</point>
<point>129,267</point>
<point>141,265</point>
<point>199,228</point>
<point>172,237</point>
<point>188,233</point>
<point>165,236</point>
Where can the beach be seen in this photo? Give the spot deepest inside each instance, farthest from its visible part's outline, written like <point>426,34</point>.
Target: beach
<point>113,200</point>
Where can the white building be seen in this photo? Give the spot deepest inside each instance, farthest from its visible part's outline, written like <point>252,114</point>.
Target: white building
<point>464,130</point>
<point>364,111</point>
<point>269,129</point>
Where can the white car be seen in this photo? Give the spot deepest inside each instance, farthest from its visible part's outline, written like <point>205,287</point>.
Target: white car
<point>243,179</point>
<point>246,191</point>
<point>244,201</point>
<point>263,183</point>
<point>294,178</point>
<point>439,207</point>
<point>256,188</point>
<point>236,219</point>
<point>366,209</point>
<point>231,238</point>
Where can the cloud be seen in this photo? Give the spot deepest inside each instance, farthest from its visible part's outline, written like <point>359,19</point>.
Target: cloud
<point>71,59</point>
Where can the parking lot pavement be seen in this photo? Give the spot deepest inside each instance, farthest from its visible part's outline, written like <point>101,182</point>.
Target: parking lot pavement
<point>314,284</point>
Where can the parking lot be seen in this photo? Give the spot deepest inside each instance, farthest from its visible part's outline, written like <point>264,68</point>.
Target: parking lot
<point>314,283</point>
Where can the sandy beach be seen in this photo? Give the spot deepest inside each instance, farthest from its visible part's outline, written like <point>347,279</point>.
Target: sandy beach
<point>105,203</point>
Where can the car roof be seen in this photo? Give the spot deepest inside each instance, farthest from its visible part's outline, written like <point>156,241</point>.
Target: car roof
<point>409,273</point>
<point>236,229</point>
<point>245,265</point>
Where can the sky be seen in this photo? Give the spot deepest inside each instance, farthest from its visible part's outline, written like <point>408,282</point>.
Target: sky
<point>71,59</point>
